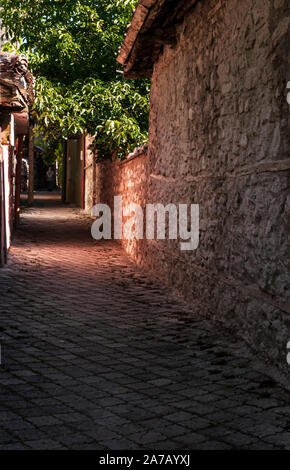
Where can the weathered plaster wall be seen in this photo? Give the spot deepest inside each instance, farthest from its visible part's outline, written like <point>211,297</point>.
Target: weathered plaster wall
<point>219,137</point>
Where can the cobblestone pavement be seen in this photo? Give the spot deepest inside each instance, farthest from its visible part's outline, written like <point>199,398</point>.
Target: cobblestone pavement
<point>96,356</point>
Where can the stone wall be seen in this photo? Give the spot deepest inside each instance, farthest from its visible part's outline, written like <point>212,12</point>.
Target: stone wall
<point>219,137</point>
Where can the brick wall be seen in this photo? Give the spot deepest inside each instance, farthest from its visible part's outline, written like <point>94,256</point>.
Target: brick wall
<point>128,179</point>
<point>219,137</point>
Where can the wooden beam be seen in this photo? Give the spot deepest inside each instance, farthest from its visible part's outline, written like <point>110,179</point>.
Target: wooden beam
<point>149,32</point>
<point>158,36</point>
<point>130,38</point>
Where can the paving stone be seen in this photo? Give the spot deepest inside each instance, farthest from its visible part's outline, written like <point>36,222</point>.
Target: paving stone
<point>239,440</point>
<point>190,439</point>
<point>214,445</point>
<point>96,355</point>
<point>44,420</point>
<point>44,444</point>
<point>118,444</point>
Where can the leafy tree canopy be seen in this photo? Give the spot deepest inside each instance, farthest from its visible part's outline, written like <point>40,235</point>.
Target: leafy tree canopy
<point>72,47</point>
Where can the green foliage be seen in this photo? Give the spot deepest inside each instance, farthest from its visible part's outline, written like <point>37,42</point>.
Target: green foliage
<point>72,47</point>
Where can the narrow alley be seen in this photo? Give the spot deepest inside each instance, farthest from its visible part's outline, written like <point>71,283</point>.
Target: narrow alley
<point>97,356</point>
